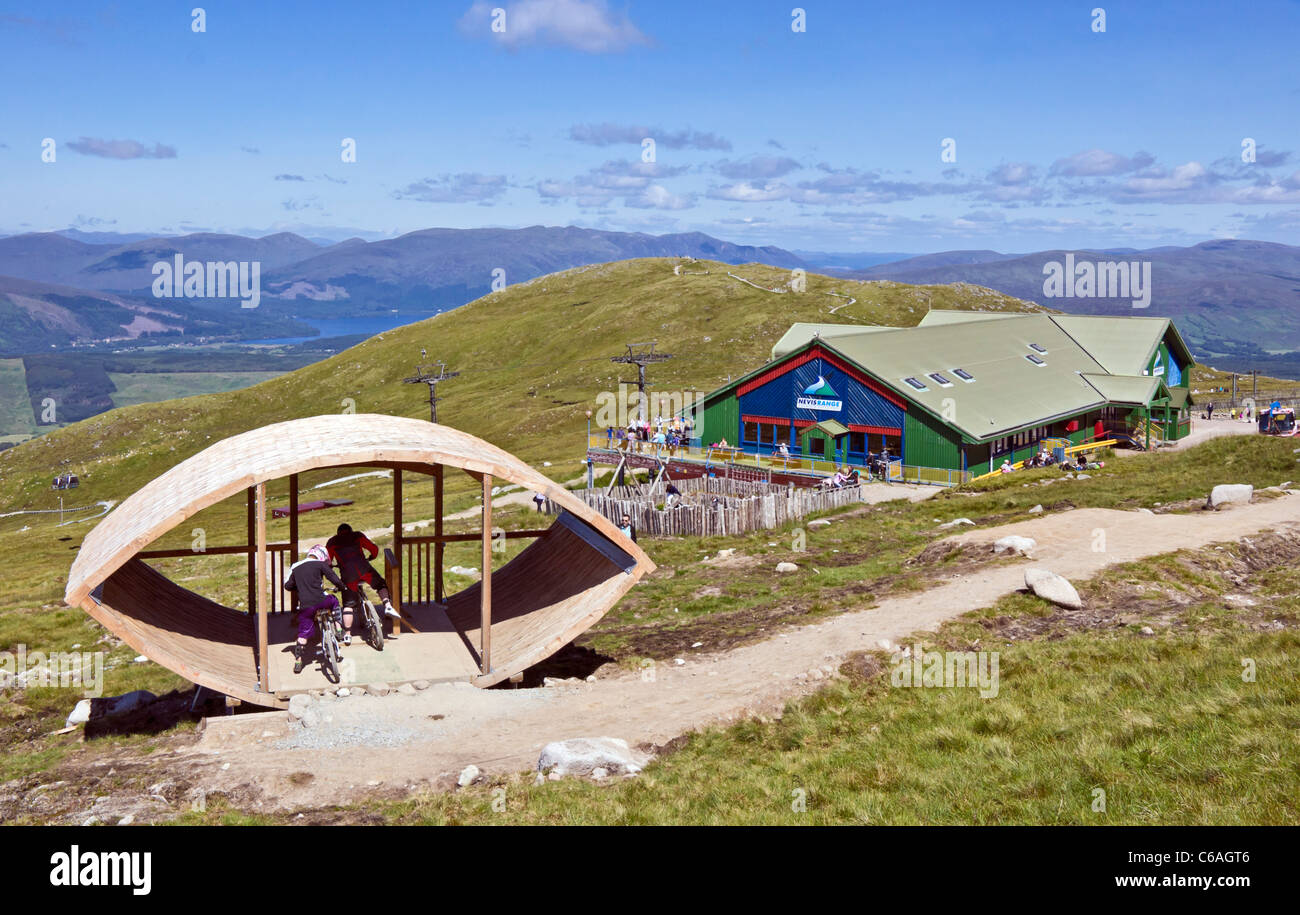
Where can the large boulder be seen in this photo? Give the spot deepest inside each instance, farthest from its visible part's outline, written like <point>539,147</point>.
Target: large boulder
<point>582,755</point>
<point>1226,493</point>
<point>302,708</point>
<point>1014,544</point>
<point>1052,587</point>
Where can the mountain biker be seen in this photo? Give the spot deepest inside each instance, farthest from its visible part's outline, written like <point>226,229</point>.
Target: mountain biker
<point>348,548</point>
<point>307,577</point>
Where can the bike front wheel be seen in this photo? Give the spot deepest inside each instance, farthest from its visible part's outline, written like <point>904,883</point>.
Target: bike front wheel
<point>374,627</point>
<point>329,649</point>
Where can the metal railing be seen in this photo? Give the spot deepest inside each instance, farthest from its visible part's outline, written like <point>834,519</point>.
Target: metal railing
<point>805,465</point>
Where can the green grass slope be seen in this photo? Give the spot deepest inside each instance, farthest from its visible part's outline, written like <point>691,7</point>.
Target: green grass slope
<point>533,358</point>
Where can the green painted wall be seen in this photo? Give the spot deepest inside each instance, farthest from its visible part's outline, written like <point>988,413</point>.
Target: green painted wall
<point>721,420</point>
<point>929,443</point>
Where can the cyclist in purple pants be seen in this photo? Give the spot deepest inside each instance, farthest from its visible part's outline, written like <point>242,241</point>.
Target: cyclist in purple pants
<point>307,577</point>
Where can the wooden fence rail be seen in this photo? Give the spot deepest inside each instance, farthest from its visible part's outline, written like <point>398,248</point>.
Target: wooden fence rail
<point>705,511</point>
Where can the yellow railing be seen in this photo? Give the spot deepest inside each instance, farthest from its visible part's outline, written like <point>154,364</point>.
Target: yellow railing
<point>1073,449</point>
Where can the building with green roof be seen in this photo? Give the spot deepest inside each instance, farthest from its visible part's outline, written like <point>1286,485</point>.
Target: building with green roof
<point>962,390</point>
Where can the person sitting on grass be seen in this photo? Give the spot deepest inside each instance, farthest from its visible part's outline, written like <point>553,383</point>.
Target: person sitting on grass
<point>345,548</point>
<point>306,578</point>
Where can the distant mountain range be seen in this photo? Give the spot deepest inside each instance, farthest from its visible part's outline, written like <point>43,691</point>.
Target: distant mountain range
<point>38,317</point>
<point>1233,300</point>
<point>419,273</point>
<point>1229,298</point>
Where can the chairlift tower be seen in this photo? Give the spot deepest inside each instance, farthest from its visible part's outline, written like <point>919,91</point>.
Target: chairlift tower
<point>431,373</point>
<point>641,355</point>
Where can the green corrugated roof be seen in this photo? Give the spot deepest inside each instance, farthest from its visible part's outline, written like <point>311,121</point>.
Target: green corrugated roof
<point>1008,392</point>
<point>799,334</point>
<point>1180,397</point>
<point>1134,389</point>
<point>1123,346</point>
<point>831,427</point>
<point>952,316</point>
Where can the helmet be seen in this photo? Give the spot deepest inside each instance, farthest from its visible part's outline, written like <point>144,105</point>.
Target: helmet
<point>319,552</point>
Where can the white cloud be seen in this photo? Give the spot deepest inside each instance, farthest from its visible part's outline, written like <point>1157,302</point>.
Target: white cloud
<point>584,25</point>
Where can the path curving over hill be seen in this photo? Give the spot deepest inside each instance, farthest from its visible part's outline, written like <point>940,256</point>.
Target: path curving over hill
<point>504,730</point>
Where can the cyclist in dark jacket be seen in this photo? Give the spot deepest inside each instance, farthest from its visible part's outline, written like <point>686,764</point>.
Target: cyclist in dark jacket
<point>307,577</point>
<point>352,551</point>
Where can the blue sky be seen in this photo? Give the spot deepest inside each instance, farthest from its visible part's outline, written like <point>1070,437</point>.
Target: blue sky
<point>826,139</point>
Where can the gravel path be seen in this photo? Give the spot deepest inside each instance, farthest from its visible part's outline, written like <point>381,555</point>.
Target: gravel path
<point>504,730</point>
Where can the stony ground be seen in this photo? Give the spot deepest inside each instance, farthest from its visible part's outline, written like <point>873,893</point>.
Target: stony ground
<point>365,746</point>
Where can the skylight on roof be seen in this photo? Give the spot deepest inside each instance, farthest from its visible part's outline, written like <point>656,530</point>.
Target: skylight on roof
<point>1038,348</point>
<point>964,375</point>
<point>939,379</point>
<point>1035,360</point>
<point>916,383</point>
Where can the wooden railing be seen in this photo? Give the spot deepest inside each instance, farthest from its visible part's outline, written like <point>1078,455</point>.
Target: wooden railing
<point>278,562</point>
<point>419,566</point>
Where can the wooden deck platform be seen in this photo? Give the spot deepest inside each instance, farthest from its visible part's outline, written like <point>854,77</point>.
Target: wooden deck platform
<point>437,653</point>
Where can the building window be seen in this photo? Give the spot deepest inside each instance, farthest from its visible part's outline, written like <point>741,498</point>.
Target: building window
<point>964,375</point>
<point>1038,349</point>
<point>750,433</point>
<point>858,442</point>
<point>915,383</point>
<point>1035,360</point>
<point>939,379</point>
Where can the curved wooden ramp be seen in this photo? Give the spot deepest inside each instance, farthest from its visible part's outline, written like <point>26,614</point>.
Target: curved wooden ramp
<point>553,591</point>
<point>559,586</point>
<point>200,639</point>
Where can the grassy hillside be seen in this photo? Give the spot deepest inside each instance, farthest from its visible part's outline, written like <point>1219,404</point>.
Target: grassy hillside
<point>532,360</point>
<point>17,421</point>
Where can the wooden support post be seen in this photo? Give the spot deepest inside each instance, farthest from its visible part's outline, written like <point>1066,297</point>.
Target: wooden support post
<point>395,595</point>
<point>437,530</point>
<point>262,654</point>
<point>293,518</point>
<point>252,556</point>
<point>293,533</point>
<point>485,585</point>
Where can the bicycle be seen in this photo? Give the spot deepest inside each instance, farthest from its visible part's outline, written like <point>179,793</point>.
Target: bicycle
<point>331,653</point>
<point>374,624</point>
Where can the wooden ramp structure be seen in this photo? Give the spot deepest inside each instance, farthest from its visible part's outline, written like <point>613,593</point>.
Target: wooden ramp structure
<point>561,584</point>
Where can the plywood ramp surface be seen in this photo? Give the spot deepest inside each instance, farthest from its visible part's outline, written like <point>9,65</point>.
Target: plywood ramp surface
<point>198,638</point>
<point>436,653</point>
<point>541,600</point>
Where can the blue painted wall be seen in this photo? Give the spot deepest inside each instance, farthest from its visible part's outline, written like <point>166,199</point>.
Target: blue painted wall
<point>859,405</point>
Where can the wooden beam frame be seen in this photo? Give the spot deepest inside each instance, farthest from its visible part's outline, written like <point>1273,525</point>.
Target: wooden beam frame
<point>438,548</point>
<point>485,585</point>
<point>395,595</point>
<point>249,539</point>
<point>471,536</point>
<point>293,533</point>
<point>260,558</point>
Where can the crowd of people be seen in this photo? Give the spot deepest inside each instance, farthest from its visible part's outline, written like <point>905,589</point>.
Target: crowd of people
<point>664,434</point>
<point>1045,458</point>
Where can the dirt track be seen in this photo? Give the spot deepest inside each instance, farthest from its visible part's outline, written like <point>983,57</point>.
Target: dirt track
<point>504,730</point>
